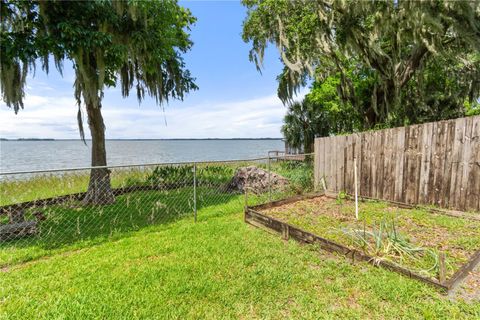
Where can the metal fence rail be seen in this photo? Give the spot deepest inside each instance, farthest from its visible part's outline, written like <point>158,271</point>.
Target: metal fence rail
<point>49,210</point>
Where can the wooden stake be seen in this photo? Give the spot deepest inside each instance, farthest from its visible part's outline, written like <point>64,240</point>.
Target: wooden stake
<point>285,232</point>
<point>441,267</point>
<point>324,185</point>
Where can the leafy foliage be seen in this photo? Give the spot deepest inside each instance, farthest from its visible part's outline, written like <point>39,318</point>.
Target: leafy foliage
<point>301,123</point>
<point>384,242</point>
<point>206,175</point>
<point>299,174</point>
<point>389,42</point>
<point>340,116</point>
<point>321,114</point>
<point>442,90</point>
<point>135,44</point>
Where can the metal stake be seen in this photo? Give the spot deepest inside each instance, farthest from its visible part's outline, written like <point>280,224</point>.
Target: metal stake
<point>269,184</point>
<point>356,188</point>
<point>195,191</point>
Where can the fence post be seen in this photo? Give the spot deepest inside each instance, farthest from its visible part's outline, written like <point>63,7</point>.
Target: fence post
<point>269,183</point>
<point>245,206</point>
<point>195,191</point>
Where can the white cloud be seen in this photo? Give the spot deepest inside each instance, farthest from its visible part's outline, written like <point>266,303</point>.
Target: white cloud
<point>249,118</point>
<point>51,113</point>
<point>55,117</point>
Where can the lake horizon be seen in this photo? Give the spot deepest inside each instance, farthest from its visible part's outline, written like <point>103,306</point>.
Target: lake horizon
<point>31,155</point>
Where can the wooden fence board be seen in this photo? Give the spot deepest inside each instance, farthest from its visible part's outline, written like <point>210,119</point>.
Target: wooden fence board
<point>399,154</point>
<point>425,162</point>
<point>467,150</point>
<point>348,170</point>
<point>456,177</point>
<point>434,163</point>
<point>388,166</point>
<point>473,185</point>
<point>357,151</point>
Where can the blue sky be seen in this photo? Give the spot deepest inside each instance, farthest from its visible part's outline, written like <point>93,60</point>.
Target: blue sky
<point>234,99</point>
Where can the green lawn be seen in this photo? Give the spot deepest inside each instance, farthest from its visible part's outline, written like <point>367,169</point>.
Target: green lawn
<point>143,257</point>
<point>72,225</point>
<point>217,268</point>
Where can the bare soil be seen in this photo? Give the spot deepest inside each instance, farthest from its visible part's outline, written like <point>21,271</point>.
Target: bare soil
<point>458,237</point>
<point>469,290</point>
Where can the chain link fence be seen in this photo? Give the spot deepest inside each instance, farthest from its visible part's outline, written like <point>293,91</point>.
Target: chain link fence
<point>49,211</point>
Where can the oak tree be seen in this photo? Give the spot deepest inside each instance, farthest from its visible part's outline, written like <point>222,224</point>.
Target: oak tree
<point>393,39</point>
<point>136,45</point>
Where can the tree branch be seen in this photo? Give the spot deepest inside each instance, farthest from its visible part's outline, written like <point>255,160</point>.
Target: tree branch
<point>412,64</point>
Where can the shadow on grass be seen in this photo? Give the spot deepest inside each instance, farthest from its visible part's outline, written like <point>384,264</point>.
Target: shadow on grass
<point>73,226</point>
<point>70,226</point>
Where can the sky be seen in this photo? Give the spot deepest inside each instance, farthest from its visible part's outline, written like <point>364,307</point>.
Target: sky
<point>234,100</point>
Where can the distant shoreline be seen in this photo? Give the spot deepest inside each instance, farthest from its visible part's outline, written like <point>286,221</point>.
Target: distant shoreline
<point>172,139</point>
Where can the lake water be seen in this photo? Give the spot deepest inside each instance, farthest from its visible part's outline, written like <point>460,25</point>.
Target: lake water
<point>44,155</point>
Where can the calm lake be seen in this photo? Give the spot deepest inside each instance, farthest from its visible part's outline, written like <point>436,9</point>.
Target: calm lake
<point>43,155</point>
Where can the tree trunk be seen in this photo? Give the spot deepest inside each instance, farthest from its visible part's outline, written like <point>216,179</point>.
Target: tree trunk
<point>307,146</point>
<point>99,189</point>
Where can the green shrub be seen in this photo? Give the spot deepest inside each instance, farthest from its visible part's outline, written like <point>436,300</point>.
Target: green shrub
<point>171,175</point>
<point>206,175</point>
<point>299,173</point>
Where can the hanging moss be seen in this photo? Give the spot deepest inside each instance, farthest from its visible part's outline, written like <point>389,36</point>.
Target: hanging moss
<point>134,44</point>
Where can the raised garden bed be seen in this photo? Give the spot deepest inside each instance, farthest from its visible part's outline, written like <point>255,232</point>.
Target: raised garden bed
<point>436,247</point>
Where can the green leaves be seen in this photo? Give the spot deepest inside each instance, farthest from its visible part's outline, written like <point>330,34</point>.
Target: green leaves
<point>390,41</point>
<point>136,44</point>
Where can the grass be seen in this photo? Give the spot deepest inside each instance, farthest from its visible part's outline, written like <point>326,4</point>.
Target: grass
<point>15,189</point>
<point>415,229</point>
<point>42,186</point>
<point>143,257</point>
<point>217,268</point>
<point>72,225</point>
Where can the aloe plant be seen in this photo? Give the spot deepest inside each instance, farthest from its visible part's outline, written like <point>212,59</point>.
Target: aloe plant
<point>385,243</point>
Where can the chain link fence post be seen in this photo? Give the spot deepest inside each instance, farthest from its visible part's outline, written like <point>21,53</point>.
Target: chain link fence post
<point>195,191</point>
<point>269,181</point>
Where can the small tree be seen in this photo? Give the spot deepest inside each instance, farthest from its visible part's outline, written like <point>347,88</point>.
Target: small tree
<point>133,44</point>
<point>302,123</point>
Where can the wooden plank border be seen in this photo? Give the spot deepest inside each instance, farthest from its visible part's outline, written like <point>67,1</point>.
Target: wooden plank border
<point>287,231</point>
<point>277,203</point>
<point>464,270</point>
<point>441,211</point>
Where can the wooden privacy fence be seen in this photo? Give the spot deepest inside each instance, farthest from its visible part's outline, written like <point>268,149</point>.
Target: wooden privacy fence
<point>434,163</point>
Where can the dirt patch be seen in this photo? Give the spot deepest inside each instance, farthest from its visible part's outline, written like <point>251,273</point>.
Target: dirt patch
<point>334,219</point>
<point>469,290</point>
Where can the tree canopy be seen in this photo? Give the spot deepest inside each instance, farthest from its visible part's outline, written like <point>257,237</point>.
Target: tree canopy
<point>134,44</point>
<point>391,44</point>
<point>301,123</point>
